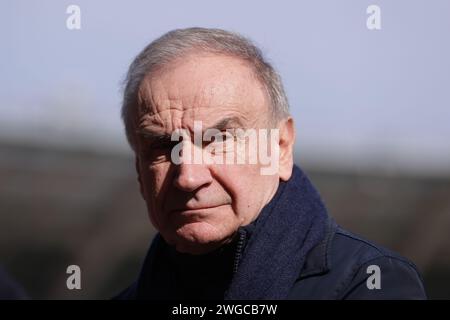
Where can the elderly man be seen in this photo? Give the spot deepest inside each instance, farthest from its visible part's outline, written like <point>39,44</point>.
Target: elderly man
<point>199,106</point>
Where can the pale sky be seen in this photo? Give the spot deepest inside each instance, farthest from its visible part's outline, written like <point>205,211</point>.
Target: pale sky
<point>358,96</point>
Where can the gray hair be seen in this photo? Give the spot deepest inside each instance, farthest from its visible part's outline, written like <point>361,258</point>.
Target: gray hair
<point>178,43</point>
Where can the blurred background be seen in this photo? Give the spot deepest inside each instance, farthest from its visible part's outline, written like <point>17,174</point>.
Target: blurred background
<point>372,112</point>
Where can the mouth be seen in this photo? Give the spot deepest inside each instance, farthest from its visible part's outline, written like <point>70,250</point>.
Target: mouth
<point>194,211</point>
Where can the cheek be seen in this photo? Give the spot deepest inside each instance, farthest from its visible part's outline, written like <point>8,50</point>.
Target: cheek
<point>155,177</point>
<point>243,183</point>
<point>154,180</point>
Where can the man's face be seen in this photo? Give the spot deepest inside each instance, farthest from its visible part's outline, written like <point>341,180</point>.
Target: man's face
<point>198,207</point>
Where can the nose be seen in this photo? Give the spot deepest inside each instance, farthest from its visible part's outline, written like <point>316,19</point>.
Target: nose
<point>191,176</point>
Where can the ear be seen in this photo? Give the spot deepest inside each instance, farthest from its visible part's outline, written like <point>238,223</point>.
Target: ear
<point>287,140</point>
<point>138,171</point>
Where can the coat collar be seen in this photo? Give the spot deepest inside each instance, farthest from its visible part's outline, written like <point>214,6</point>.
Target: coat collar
<point>318,259</point>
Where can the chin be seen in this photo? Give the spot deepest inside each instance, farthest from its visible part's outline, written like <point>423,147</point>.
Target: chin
<point>199,238</point>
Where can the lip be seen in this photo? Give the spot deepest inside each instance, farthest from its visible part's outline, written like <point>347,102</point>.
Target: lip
<point>194,210</point>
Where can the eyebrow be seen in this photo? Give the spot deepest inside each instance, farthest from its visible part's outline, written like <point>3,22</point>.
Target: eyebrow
<point>149,134</point>
<point>228,122</point>
<point>223,124</point>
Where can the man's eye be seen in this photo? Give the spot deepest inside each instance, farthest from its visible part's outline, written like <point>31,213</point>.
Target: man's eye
<point>227,136</point>
<point>224,136</point>
<point>218,138</point>
<point>165,145</point>
<point>157,151</point>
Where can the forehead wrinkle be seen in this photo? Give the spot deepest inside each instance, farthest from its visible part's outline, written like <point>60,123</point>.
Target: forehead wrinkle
<point>186,118</point>
<point>176,89</point>
<point>156,101</point>
<point>204,85</point>
<point>145,100</point>
<point>156,120</point>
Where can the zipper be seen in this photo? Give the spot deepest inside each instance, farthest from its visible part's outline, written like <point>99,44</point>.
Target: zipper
<point>239,249</point>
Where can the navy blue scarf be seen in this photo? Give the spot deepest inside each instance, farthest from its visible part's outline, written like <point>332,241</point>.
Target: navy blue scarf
<point>271,250</point>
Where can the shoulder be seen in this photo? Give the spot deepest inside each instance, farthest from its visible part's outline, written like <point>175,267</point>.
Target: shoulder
<point>370,271</point>
<point>347,266</point>
<point>347,246</point>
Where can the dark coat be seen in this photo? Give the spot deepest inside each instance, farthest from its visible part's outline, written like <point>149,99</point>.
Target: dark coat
<point>337,268</point>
